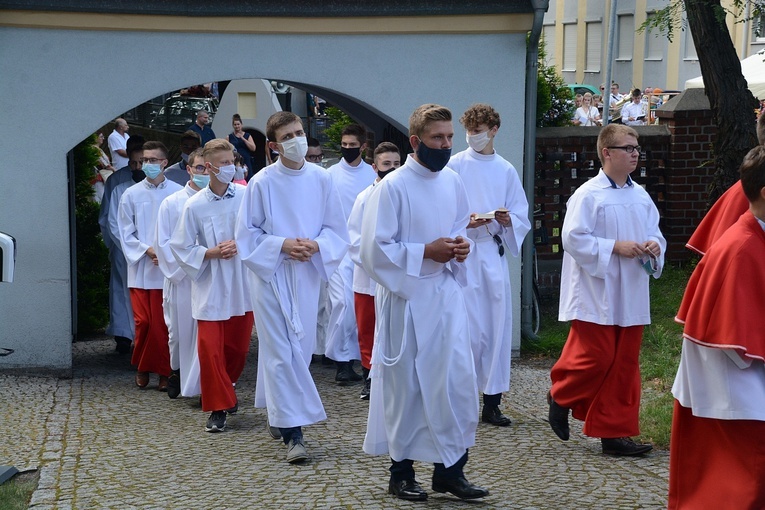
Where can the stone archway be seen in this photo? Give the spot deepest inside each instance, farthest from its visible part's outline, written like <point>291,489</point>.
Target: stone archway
<point>65,74</point>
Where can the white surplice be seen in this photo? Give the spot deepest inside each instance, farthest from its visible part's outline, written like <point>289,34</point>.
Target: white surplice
<point>137,223</point>
<point>593,287</point>
<point>282,203</point>
<point>176,296</point>
<point>219,288</point>
<point>342,339</point>
<point>362,283</point>
<point>491,182</point>
<point>424,403</point>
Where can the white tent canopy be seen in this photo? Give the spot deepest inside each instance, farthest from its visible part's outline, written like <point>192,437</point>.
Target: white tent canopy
<point>753,69</point>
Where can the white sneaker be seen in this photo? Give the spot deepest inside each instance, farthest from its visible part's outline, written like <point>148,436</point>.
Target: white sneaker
<point>296,451</point>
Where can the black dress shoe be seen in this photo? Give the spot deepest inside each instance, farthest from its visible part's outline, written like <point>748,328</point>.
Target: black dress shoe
<point>558,418</point>
<point>174,384</point>
<point>355,376</point>
<point>624,446</point>
<point>407,489</point>
<point>123,344</point>
<point>342,377</point>
<point>460,487</point>
<point>492,414</point>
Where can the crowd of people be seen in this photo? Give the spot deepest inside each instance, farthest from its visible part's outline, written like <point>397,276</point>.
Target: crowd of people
<point>403,267</point>
<point>633,109</point>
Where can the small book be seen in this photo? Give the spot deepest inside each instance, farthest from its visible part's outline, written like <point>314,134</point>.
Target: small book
<point>489,215</point>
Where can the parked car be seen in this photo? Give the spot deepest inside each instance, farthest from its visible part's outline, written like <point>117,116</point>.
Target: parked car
<point>179,112</point>
<point>581,88</point>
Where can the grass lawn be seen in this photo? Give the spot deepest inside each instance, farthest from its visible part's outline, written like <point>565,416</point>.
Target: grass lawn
<point>16,493</point>
<point>659,357</point>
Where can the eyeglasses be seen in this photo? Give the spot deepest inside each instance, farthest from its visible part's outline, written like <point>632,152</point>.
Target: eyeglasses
<point>316,158</point>
<point>199,169</point>
<point>153,161</point>
<point>628,148</point>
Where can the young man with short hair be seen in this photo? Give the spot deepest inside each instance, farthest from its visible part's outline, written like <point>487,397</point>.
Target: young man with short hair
<point>291,234</point>
<point>386,159</point>
<point>351,175</point>
<point>424,399</point>
<point>634,112</point>
<point>492,185</point>
<point>176,292</point>
<point>612,247</point>
<point>137,222</point>
<point>720,383</point>
<point>204,246</point>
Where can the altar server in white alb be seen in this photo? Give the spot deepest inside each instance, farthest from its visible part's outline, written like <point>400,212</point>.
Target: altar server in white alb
<point>204,246</point>
<point>137,222</point>
<point>291,233</point>
<point>351,175</point>
<point>492,186</point>
<point>424,401</point>
<point>176,293</point>
<point>386,159</point>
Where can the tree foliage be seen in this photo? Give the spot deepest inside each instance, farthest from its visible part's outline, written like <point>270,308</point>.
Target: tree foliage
<point>731,101</point>
<point>92,256</point>
<point>338,120</point>
<point>555,103</point>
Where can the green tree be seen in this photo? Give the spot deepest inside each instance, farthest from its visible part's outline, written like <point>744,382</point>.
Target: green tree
<point>92,256</point>
<point>731,102</point>
<point>338,120</point>
<point>555,103</point>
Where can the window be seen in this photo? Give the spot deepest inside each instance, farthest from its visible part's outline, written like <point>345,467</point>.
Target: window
<point>654,42</point>
<point>626,34</point>
<point>548,36</point>
<point>569,47</point>
<point>758,28</point>
<point>690,48</point>
<point>594,38</point>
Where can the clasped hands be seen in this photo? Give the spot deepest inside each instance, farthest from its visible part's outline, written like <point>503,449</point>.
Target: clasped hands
<point>444,249</point>
<point>632,249</point>
<point>300,249</point>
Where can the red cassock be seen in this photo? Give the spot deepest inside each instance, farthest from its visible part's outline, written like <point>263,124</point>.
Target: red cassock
<point>723,304</point>
<point>716,463</point>
<point>724,213</point>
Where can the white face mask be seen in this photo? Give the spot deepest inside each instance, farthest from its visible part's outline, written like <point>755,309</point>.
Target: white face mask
<point>225,173</point>
<point>479,141</point>
<point>295,149</point>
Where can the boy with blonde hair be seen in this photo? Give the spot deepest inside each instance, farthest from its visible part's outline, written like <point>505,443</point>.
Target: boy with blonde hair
<point>204,247</point>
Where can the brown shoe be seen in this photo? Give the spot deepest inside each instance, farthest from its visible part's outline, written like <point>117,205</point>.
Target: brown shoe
<point>162,386</point>
<point>142,379</point>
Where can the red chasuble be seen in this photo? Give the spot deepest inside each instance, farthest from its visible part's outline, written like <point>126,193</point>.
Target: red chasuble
<point>726,286</point>
<point>724,213</point>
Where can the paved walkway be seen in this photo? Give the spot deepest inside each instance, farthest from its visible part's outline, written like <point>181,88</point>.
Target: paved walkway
<point>100,442</point>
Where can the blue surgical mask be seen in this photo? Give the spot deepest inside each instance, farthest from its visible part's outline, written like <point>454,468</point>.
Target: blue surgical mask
<point>152,170</point>
<point>434,159</point>
<point>201,180</point>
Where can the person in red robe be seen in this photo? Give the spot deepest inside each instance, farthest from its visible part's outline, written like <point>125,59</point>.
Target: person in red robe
<point>717,457</point>
<point>725,212</point>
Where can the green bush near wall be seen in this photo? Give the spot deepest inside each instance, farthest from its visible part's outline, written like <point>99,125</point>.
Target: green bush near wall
<point>92,255</point>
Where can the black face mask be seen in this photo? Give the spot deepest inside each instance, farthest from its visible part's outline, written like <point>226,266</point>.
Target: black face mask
<point>381,174</point>
<point>138,175</point>
<point>434,159</point>
<point>350,154</point>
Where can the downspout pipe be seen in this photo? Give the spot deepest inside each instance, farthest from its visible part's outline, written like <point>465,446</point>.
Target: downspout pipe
<point>529,159</point>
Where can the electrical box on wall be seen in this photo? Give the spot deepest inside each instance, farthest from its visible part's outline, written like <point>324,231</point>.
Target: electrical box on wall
<point>7,257</point>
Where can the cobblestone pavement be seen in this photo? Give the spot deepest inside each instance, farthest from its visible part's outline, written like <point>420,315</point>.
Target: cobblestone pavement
<point>100,442</point>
